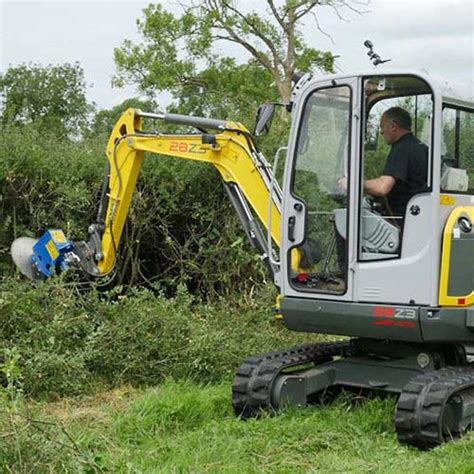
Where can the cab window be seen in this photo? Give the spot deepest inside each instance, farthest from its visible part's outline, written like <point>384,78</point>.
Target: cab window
<point>403,154</point>
<point>457,150</point>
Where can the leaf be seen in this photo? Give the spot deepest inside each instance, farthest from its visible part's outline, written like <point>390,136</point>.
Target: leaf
<point>236,242</point>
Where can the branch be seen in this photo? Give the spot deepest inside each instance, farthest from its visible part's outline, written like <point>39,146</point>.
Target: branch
<point>260,57</point>
<point>295,7</point>
<point>338,14</point>
<point>185,6</point>
<point>347,4</point>
<point>277,16</point>
<point>193,81</point>
<point>318,26</point>
<point>305,11</point>
<point>256,32</point>
<point>334,4</point>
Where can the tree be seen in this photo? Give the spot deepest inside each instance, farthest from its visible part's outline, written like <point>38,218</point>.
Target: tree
<point>51,97</point>
<point>226,90</point>
<point>173,48</point>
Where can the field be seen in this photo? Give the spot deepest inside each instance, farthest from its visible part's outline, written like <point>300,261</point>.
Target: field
<point>100,383</point>
<point>184,427</point>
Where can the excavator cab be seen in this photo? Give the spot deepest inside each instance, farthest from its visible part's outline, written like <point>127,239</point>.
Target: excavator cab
<point>373,254</point>
<point>331,154</point>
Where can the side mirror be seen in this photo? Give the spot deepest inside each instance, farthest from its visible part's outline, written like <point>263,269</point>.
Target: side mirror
<point>264,118</point>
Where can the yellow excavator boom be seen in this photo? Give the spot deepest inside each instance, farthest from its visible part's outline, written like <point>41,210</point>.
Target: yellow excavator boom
<point>231,151</point>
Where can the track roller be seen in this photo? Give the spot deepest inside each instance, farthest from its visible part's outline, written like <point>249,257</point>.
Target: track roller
<point>254,380</point>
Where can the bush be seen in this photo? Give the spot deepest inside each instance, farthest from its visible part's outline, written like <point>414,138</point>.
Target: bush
<point>181,227</point>
<point>70,343</point>
<point>45,182</point>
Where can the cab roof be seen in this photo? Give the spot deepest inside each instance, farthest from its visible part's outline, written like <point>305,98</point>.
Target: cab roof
<point>461,94</point>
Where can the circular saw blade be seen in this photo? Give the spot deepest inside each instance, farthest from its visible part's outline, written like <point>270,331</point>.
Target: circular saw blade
<point>22,251</point>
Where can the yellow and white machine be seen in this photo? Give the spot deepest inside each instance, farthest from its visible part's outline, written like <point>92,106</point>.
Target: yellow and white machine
<point>403,290</point>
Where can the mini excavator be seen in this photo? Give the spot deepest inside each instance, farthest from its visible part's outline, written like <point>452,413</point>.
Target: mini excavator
<point>400,287</point>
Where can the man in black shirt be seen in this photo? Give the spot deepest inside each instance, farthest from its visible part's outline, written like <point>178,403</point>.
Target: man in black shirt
<point>405,173</point>
<point>406,168</point>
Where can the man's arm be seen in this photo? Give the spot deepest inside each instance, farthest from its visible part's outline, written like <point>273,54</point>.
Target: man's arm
<point>380,186</point>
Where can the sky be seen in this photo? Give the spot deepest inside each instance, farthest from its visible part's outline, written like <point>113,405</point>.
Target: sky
<point>436,36</point>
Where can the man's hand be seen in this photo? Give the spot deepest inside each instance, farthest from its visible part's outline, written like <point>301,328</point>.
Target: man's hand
<point>380,186</point>
<point>341,186</point>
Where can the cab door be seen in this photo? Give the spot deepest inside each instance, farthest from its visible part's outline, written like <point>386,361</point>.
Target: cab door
<point>319,221</point>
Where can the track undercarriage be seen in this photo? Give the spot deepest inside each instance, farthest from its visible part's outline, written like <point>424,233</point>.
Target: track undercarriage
<point>435,384</point>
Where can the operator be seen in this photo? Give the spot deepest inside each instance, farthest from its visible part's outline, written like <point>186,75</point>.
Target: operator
<point>406,168</point>
<point>405,173</point>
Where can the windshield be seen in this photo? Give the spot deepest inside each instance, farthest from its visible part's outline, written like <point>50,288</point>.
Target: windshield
<point>324,137</point>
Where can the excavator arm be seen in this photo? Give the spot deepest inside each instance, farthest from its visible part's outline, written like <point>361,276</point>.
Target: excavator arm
<point>228,146</point>
<point>231,151</point>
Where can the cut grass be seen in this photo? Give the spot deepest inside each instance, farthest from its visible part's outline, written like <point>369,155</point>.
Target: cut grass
<point>183,427</point>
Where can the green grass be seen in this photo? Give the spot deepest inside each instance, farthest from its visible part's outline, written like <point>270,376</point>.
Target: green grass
<point>183,427</point>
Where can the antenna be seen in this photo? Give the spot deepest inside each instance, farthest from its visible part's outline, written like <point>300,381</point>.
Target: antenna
<point>373,56</point>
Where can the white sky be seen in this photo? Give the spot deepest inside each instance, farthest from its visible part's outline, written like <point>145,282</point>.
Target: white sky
<point>434,35</point>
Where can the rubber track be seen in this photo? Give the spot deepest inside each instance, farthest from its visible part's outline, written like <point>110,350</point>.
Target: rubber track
<point>418,417</point>
<point>252,387</point>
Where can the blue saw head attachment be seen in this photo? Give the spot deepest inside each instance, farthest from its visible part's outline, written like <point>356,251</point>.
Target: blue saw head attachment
<point>50,253</point>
